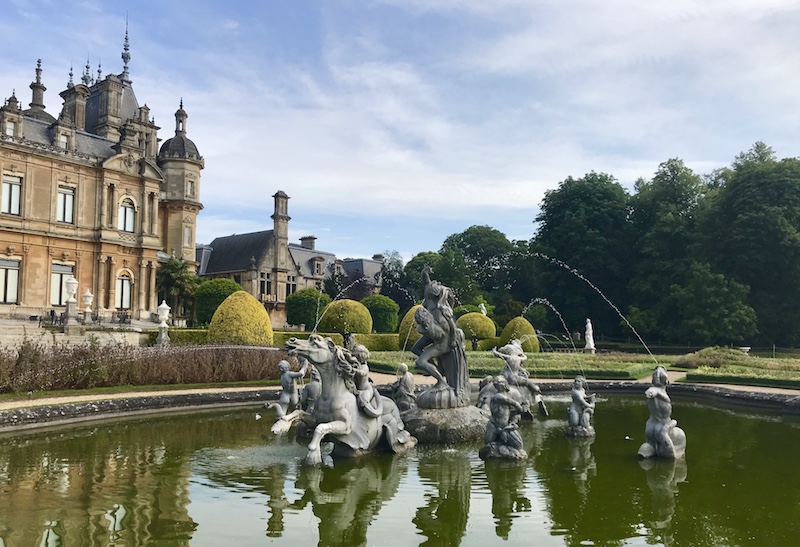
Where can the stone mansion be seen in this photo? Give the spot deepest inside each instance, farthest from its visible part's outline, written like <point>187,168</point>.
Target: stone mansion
<point>88,193</point>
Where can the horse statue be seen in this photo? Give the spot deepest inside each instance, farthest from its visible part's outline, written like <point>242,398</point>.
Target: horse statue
<point>348,411</point>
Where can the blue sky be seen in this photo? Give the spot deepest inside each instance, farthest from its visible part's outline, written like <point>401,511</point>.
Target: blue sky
<point>392,124</point>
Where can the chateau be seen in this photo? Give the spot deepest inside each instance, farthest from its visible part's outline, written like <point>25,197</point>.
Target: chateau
<point>271,268</point>
<point>88,193</point>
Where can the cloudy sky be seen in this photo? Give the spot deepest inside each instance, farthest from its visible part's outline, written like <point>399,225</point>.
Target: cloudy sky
<point>392,124</point>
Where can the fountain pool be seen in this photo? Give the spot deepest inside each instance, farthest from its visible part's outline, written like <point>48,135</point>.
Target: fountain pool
<point>220,477</point>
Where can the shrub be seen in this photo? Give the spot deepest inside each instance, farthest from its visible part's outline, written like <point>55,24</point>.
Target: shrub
<point>384,312</point>
<point>407,334</point>
<point>713,357</point>
<point>241,319</point>
<point>378,342</point>
<point>304,307</point>
<point>209,295</point>
<point>519,328</point>
<point>477,326</point>
<point>347,316</point>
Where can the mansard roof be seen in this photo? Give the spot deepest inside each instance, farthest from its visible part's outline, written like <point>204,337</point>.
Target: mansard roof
<point>234,253</point>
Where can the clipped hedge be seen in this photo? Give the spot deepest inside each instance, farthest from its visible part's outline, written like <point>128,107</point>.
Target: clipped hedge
<point>346,316</point>
<point>476,326</point>
<point>407,334</point>
<point>209,295</point>
<point>242,320</point>
<point>181,337</point>
<point>378,342</point>
<point>520,328</point>
<point>384,312</point>
<point>304,306</point>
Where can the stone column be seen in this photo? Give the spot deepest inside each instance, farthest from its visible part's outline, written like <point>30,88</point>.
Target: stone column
<point>101,282</point>
<point>145,221</point>
<point>142,279</point>
<point>112,283</point>
<point>113,208</point>
<point>104,205</point>
<point>154,213</point>
<point>153,293</point>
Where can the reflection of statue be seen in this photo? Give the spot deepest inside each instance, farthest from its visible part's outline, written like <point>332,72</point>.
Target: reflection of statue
<point>443,515</point>
<point>589,347</point>
<point>582,462</point>
<point>290,396</point>
<point>311,392</point>
<point>502,436</point>
<point>662,479</point>
<point>579,413</point>
<point>441,340</point>
<point>664,439</point>
<point>402,391</point>
<point>276,477</point>
<point>506,481</point>
<point>345,410</point>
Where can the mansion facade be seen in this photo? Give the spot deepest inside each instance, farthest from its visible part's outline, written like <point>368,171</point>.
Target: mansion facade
<point>89,194</point>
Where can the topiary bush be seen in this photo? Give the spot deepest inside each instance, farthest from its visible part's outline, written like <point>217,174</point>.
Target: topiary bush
<point>407,334</point>
<point>209,295</point>
<point>378,342</point>
<point>242,320</point>
<point>519,328</point>
<point>304,307</point>
<point>476,326</point>
<point>346,316</point>
<point>384,312</point>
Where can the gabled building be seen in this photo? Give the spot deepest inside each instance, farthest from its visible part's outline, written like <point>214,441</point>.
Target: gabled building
<point>88,193</point>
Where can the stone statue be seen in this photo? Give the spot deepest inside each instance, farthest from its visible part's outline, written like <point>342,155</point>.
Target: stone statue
<point>311,392</point>
<point>589,347</point>
<point>664,439</point>
<point>290,395</point>
<point>482,308</point>
<point>502,436</point>
<point>520,388</point>
<point>443,342</point>
<point>580,412</point>
<point>402,391</point>
<point>345,411</point>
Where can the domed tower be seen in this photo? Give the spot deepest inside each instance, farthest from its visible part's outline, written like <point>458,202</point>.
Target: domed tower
<point>181,163</point>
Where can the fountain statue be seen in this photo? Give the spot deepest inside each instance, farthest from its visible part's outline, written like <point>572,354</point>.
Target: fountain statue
<point>348,411</point>
<point>521,388</point>
<point>443,342</point>
<point>290,396</point>
<point>580,412</point>
<point>502,436</point>
<point>664,439</point>
<point>589,335</point>
<point>402,390</point>
<point>311,391</point>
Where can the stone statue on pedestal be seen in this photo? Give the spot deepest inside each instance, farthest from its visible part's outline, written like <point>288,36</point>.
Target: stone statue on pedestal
<point>502,436</point>
<point>663,437</point>
<point>402,390</point>
<point>589,347</point>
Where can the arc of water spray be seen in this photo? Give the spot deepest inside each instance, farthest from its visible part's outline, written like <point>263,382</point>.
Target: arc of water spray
<point>577,274</point>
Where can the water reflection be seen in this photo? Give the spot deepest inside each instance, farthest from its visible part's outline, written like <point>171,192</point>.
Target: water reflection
<point>663,477</point>
<point>443,517</point>
<point>506,481</point>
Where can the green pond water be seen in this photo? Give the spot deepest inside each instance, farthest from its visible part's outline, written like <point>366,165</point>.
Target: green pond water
<point>222,479</point>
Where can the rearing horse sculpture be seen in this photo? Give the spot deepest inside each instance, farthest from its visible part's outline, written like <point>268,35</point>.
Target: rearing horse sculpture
<point>348,411</point>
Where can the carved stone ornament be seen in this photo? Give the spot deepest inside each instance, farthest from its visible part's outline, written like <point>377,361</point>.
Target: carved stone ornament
<point>10,250</point>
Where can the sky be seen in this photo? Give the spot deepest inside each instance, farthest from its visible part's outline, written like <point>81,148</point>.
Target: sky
<point>392,124</point>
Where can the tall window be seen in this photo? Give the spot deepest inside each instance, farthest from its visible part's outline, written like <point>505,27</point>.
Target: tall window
<point>191,188</point>
<point>58,284</point>
<point>265,283</point>
<point>63,140</point>
<point>66,204</point>
<point>291,284</point>
<point>9,281</point>
<point>127,216</point>
<point>10,127</point>
<point>123,294</point>
<point>187,236</point>
<point>12,189</point>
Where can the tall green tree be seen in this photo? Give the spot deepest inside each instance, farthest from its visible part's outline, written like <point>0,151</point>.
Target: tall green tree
<point>413,270</point>
<point>176,284</point>
<point>305,306</point>
<point>394,281</point>
<point>584,225</point>
<point>384,312</point>
<point>486,250</point>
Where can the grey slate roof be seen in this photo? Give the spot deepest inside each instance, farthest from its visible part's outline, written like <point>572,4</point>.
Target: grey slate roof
<point>232,253</point>
<point>128,107</point>
<point>303,259</point>
<point>38,131</point>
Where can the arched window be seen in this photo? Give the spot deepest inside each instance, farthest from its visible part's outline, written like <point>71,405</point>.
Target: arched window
<point>123,294</point>
<point>127,216</point>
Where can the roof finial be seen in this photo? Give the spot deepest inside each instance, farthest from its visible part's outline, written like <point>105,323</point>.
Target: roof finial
<point>181,102</point>
<point>126,55</point>
<point>70,82</point>
<point>87,76</point>
<point>99,70</point>
<point>38,71</point>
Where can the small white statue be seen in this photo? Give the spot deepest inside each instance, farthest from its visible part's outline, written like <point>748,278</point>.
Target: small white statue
<point>589,347</point>
<point>482,307</point>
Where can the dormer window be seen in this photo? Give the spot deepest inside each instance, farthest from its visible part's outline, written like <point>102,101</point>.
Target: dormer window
<point>63,141</point>
<point>10,128</point>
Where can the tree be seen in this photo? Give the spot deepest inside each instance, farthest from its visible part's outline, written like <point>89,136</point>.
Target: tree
<point>413,269</point>
<point>176,284</point>
<point>486,250</point>
<point>583,226</point>
<point>210,294</point>
<point>304,307</point>
<point>384,312</point>
<point>395,283</point>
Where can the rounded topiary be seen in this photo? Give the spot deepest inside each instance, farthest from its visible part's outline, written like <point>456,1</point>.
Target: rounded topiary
<point>304,307</point>
<point>241,319</point>
<point>210,294</point>
<point>347,316</point>
<point>407,334</point>
<point>384,312</point>
<point>476,326</point>
<point>520,328</point>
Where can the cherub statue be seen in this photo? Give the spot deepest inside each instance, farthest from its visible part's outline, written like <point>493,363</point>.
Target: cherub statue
<point>663,437</point>
<point>580,412</point>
